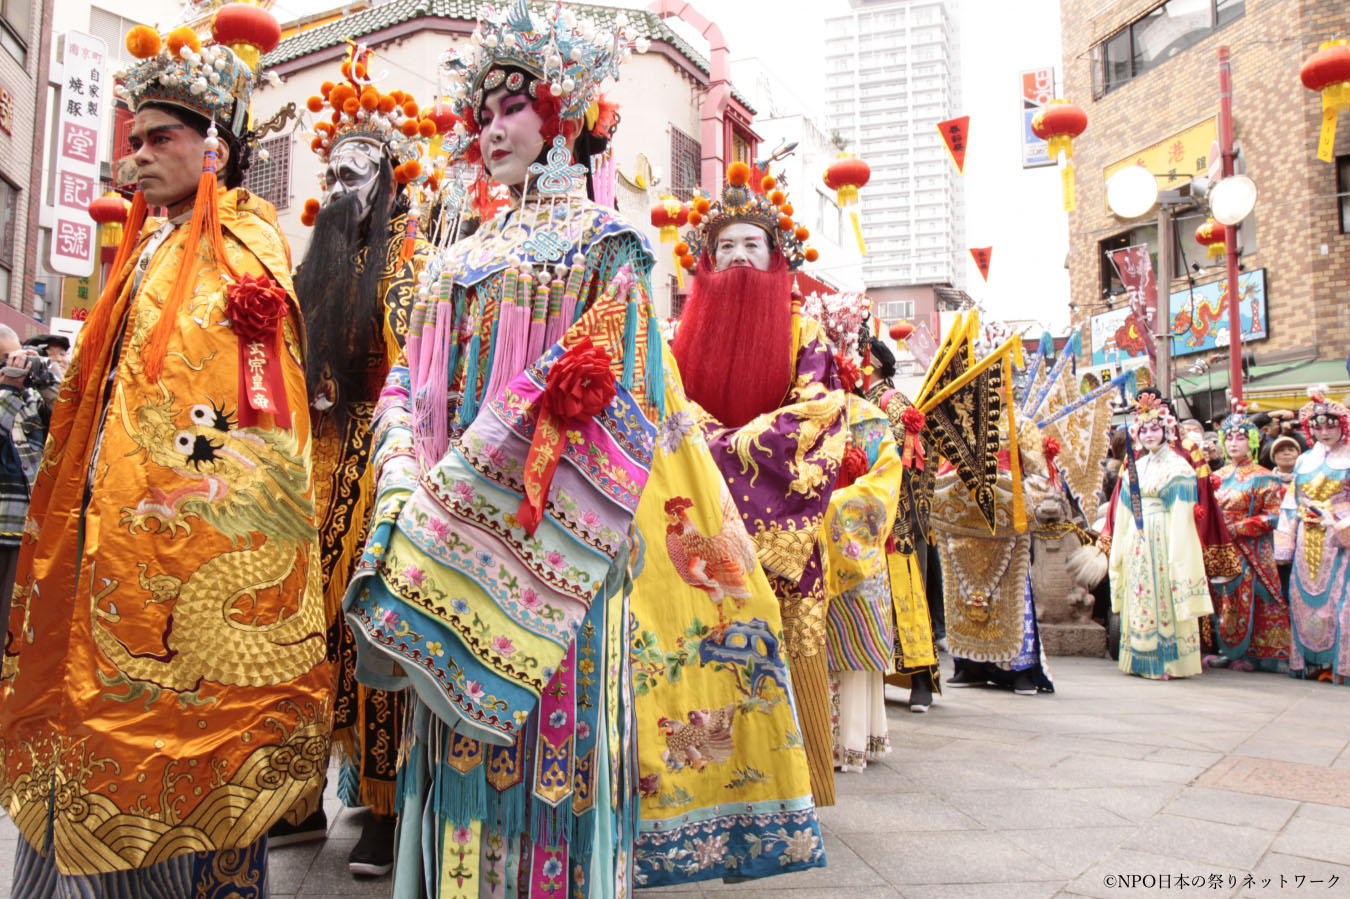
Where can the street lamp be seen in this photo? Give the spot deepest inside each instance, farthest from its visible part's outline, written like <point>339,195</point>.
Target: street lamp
<point>1232,199</point>
<point>1130,194</point>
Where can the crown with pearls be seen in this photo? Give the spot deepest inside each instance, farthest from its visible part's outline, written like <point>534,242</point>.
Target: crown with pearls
<point>568,55</point>
<point>767,208</point>
<point>215,80</point>
<point>1322,410</point>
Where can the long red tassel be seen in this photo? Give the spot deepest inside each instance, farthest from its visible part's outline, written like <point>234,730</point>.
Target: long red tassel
<point>95,331</point>
<point>205,222</point>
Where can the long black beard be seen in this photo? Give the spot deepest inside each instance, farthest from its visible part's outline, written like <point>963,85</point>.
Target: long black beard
<point>341,304</point>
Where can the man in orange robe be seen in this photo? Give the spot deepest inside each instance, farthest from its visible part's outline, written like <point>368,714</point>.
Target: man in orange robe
<point>165,695</point>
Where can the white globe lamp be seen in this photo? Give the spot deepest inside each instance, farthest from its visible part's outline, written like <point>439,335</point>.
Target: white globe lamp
<point>1131,192</point>
<point>1232,199</point>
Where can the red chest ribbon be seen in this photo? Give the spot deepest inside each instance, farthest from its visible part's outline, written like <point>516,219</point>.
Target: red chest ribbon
<point>256,308</point>
<point>912,452</point>
<point>578,387</point>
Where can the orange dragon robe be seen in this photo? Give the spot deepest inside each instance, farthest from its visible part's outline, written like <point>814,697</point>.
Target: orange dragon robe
<point>164,687</point>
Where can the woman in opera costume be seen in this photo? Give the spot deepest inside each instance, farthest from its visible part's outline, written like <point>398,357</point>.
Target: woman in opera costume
<point>1314,532</point>
<point>1251,615</point>
<point>555,565</point>
<point>1157,569</point>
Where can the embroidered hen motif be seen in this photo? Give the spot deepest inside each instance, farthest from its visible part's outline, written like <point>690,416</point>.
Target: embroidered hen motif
<point>719,565</point>
<point>705,740</point>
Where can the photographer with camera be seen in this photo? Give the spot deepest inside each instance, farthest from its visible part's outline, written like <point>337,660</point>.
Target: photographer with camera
<point>47,366</point>
<point>22,434</point>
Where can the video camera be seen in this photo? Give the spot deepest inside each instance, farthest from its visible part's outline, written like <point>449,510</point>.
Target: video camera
<point>37,374</point>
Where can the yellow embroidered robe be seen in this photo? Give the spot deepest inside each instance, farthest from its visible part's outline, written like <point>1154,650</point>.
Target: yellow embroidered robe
<point>164,687</point>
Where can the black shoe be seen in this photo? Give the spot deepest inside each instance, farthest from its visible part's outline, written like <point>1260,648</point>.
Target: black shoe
<point>373,854</point>
<point>1023,684</point>
<point>920,692</point>
<point>970,675</point>
<point>283,833</point>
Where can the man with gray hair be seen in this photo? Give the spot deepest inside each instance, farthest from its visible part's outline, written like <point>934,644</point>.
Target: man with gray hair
<point>21,437</point>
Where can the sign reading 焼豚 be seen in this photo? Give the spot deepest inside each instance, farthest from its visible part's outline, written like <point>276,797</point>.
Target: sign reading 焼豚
<point>79,147</point>
<point>1038,89</point>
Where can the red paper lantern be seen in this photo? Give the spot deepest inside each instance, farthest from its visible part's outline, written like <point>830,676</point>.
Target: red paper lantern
<point>844,176</point>
<point>248,30</point>
<point>1210,234</point>
<point>901,329</point>
<point>1058,123</point>
<point>1328,71</point>
<point>110,211</point>
<point>669,214</point>
<point>444,117</point>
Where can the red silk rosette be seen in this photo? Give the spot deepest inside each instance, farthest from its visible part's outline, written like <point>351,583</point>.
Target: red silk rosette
<point>1051,447</point>
<point>849,375</point>
<point>256,308</point>
<point>577,388</point>
<point>912,453</point>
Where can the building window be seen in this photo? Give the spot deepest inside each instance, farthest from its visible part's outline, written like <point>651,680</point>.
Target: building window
<point>9,224</point>
<point>16,18</point>
<point>676,299</point>
<point>1343,189</point>
<point>113,29</point>
<point>1162,33</point>
<point>685,158</point>
<point>896,310</point>
<point>271,179</point>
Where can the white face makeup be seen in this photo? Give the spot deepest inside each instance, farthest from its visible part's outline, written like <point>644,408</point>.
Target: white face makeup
<point>742,244</point>
<point>509,137</point>
<point>1326,434</point>
<point>1237,444</point>
<point>353,169</point>
<point>1151,435</point>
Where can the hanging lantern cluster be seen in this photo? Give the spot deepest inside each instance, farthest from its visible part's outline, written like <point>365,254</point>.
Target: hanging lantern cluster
<point>670,215</point>
<point>1210,235</point>
<point>844,176</point>
<point>1058,123</point>
<point>1328,71</point>
<point>110,212</point>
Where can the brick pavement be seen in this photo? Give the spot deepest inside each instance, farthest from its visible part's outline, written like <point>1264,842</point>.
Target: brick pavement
<point>996,795</point>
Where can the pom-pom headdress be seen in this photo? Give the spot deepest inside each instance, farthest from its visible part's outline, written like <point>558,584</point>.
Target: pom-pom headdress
<point>1151,409</point>
<point>1321,410</point>
<point>745,202</point>
<point>353,108</point>
<point>215,80</point>
<point>567,55</point>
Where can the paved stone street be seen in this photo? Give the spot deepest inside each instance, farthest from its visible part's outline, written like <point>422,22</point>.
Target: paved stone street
<point>996,795</point>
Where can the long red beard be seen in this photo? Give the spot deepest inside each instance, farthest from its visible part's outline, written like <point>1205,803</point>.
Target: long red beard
<point>734,343</point>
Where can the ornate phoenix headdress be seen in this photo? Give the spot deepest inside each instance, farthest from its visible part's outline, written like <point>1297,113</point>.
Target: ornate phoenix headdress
<point>742,203</point>
<point>1151,409</point>
<point>568,55</point>
<point>1322,410</point>
<point>1238,421</point>
<point>214,80</point>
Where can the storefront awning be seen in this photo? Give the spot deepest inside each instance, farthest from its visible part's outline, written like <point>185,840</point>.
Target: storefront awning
<point>1281,386</point>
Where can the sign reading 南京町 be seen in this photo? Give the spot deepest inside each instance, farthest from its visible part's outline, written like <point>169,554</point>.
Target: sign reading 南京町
<point>79,147</point>
<point>1038,89</point>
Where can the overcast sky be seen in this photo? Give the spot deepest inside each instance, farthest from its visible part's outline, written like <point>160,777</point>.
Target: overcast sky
<point>1016,211</point>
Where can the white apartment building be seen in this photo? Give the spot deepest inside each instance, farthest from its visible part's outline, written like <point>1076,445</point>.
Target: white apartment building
<point>892,73</point>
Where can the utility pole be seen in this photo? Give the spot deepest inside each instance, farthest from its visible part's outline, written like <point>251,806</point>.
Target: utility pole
<point>1162,313</point>
<point>1230,231</point>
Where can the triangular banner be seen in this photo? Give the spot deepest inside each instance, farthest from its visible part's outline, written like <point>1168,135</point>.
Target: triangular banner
<point>981,256</point>
<point>955,133</point>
